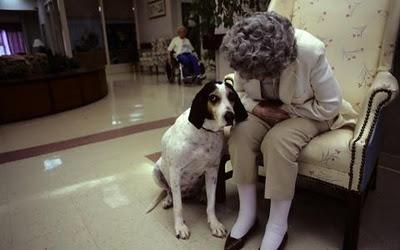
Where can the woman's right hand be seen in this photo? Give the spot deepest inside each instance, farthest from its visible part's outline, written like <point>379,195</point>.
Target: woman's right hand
<point>270,112</point>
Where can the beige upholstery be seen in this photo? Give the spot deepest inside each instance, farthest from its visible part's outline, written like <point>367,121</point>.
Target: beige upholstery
<point>359,36</point>
<point>352,32</point>
<point>156,56</point>
<point>160,52</point>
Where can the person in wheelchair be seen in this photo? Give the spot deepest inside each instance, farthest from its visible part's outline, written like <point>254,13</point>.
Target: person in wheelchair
<point>182,50</point>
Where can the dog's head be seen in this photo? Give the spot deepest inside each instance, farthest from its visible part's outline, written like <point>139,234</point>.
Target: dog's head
<point>218,105</point>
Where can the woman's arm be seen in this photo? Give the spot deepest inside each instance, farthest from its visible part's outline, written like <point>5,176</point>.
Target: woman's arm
<point>267,111</point>
<point>327,94</point>
<point>270,112</point>
<point>247,101</point>
<point>172,45</point>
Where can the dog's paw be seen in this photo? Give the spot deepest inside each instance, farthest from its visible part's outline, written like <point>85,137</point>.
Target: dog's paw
<point>217,229</point>
<point>182,231</point>
<point>167,203</point>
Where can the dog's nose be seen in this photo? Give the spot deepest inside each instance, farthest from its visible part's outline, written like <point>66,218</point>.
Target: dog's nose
<point>229,117</point>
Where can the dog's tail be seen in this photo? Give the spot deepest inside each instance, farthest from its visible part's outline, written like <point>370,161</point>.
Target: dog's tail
<point>154,204</point>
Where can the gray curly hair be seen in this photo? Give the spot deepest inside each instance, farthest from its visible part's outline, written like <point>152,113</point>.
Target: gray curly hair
<point>260,46</point>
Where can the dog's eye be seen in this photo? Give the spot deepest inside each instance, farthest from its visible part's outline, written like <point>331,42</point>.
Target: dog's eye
<point>213,98</point>
<point>231,97</point>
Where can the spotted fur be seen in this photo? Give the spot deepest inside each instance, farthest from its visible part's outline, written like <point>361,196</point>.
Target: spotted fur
<point>191,151</point>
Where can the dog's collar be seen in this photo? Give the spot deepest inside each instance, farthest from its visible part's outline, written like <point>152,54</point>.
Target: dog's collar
<point>209,130</point>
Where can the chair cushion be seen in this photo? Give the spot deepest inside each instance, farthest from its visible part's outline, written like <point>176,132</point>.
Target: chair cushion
<point>327,157</point>
<point>329,150</point>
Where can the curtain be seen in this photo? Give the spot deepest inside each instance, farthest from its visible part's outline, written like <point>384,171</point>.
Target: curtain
<point>4,47</point>
<point>11,42</point>
<point>16,42</point>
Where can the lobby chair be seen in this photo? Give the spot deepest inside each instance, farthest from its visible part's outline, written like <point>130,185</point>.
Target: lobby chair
<point>360,41</point>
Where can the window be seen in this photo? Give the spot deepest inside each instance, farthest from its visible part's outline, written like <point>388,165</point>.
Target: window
<point>3,43</point>
<point>11,42</point>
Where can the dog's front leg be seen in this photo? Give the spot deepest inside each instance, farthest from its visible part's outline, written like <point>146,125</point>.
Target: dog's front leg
<point>217,229</point>
<point>181,230</point>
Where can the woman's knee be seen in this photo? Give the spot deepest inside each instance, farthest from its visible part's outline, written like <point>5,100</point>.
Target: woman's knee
<point>242,137</point>
<point>280,143</point>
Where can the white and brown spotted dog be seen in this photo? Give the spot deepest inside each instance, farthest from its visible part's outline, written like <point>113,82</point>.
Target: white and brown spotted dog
<point>192,148</point>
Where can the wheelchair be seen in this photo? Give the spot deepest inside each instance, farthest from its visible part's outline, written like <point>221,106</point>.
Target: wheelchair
<point>185,74</point>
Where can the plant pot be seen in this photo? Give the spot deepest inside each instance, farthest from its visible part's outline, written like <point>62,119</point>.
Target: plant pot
<point>212,41</point>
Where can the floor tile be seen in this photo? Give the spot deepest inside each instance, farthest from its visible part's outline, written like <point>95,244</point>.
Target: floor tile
<point>36,218</point>
<point>117,220</point>
<point>3,187</point>
<point>132,99</point>
<point>5,227</point>
<point>63,239</point>
<point>32,177</point>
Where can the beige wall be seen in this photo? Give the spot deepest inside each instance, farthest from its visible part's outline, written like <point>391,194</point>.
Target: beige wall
<point>150,29</point>
<point>176,10</point>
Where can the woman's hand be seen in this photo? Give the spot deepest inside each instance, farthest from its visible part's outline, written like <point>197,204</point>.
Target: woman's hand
<point>270,112</point>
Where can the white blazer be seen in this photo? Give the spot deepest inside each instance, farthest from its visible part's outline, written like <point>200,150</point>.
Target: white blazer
<point>180,45</point>
<point>307,87</point>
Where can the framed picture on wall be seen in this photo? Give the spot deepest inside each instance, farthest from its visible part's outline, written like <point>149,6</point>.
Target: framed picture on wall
<point>156,8</point>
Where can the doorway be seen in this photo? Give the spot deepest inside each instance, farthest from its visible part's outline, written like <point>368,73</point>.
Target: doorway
<point>189,20</point>
<point>103,32</point>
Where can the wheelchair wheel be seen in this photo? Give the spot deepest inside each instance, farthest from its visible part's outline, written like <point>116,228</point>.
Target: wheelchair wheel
<point>202,68</point>
<point>170,72</point>
<point>179,80</point>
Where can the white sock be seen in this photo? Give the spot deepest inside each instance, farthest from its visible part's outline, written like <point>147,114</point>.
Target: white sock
<point>247,210</point>
<point>277,224</point>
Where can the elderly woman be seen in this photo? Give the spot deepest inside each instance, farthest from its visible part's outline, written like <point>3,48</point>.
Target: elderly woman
<point>286,84</point>
<point>183,49</point>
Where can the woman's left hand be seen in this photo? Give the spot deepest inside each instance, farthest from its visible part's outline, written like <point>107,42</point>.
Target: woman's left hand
<point>270,112</point>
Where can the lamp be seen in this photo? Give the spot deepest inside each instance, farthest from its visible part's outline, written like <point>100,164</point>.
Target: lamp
<point>37,43</point>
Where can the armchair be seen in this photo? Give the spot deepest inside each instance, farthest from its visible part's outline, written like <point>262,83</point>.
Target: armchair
<point>154,54</point>
<point>160,52</point>
<point>359,37</point>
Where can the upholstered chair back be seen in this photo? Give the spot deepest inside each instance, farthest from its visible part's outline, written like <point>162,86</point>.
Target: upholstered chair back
<point>359,36</point>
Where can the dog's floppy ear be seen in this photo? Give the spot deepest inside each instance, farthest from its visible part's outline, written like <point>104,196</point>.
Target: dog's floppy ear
<point>240,111</point>
<point>198,110</point>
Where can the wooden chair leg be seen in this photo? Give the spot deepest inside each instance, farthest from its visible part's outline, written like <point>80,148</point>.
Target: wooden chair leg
<point>354,203</point>
<point>221,185</point>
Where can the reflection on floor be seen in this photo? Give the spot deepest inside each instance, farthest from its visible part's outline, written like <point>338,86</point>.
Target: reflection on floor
<point>94,196</point>
<point>132,99</point>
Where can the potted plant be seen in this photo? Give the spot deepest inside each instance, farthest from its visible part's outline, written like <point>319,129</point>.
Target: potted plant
<point>213,13</point>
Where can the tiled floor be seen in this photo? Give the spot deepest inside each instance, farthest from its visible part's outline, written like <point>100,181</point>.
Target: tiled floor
<point>132,99</point>
<point>94,196</point>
